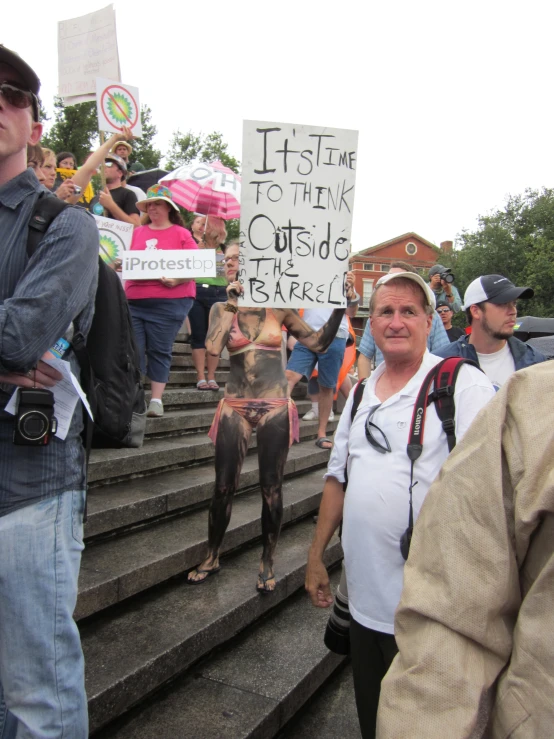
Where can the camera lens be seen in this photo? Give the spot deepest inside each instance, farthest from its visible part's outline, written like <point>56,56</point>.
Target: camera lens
<point>33,426</point>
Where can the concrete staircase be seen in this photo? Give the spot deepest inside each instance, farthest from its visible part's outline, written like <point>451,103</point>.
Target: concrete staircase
<point>167,659</point>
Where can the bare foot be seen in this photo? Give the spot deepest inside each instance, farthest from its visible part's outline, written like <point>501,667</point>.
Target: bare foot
<point>201,573</point>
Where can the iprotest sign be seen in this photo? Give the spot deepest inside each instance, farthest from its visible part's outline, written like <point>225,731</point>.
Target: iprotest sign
<point>152,263</point>
<point>296,214</point>
<point>117,105</point>
<point>87,49</point>
<point>115,238</point>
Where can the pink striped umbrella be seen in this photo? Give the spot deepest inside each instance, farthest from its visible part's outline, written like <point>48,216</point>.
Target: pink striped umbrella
<point>210,189</point>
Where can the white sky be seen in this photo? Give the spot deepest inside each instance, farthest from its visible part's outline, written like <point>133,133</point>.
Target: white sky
<point>453,102</point>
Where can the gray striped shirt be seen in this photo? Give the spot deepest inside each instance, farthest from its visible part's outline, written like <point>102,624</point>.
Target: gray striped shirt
<point>39,299</point>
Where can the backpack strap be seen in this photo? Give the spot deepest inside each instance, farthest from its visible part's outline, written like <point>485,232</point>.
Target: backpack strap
<point>47,207</point>
<point>358,393</point>
<point>442,396</point>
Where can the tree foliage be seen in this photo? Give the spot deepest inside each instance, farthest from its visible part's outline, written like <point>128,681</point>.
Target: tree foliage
<point>188,147</point>
<point>517,242</point>
<point>75,129</point>
<point>143,148</point>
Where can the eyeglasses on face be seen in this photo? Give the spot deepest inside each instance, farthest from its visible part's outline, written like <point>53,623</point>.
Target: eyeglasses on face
<point>19,97</point>
<point>374,435</point>
<point>443,310</point>
<point>234,258</point>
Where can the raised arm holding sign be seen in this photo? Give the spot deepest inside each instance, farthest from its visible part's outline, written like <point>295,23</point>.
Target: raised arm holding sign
<point>256,397</point>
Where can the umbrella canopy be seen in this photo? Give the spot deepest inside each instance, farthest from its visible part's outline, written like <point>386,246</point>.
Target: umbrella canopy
<point>531,327</point>
<point>147,178</point>
<point>210,189</point>
<point>545,345</point>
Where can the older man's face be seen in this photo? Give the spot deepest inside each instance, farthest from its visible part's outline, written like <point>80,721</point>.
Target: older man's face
<point>399,323</point>
<point>16,124</point>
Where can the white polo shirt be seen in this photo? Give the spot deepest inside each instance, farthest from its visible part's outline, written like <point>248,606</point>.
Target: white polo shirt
<point>376,505</point>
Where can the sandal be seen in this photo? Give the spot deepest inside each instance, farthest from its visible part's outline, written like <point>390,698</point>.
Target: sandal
<point>212,385</point>
<point>202,385</point>
<point>262,584</point>
<point>200,571</point>
<point>322,441</point>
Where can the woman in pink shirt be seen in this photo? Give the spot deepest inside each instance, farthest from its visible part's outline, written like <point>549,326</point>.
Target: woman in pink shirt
<point>159,307</point>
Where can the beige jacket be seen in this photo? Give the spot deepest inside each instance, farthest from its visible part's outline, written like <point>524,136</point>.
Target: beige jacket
<point>475,625</point>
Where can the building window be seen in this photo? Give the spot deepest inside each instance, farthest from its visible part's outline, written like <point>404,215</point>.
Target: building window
<point>411,248</point>
<point>385,267</point>
<point>369,267</point>
<point>368,289</point>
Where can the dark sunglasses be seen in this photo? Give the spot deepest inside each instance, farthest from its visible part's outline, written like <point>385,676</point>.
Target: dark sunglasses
<point>443,310</point>
<point>19,97</point>
<point>374,435</point>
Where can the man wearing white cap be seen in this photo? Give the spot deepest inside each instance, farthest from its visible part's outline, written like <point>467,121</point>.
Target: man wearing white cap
<point>490,306</point>
<point>373,450</point>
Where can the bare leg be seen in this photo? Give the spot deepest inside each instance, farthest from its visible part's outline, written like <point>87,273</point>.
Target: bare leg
<point>346,386</point>
<point>212,366</point>
<point>292,378</point>
<point>231,445</point>
<point>157,389</point>
<point>199,360</point>
<point>325,406</point>
<point>273,447</point>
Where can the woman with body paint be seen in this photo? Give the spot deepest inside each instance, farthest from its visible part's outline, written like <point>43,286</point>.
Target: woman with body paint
<point>256,396</point>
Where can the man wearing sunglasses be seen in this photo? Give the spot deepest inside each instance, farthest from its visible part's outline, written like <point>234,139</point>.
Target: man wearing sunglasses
<point>116,201</point>
<point>446,314</point>
<point>371,452</point>
<point>42,487</point>
<point>491,310</point>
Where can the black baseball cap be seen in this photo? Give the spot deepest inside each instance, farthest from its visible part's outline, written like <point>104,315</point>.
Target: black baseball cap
<point>444,304</point>
<point>495,289</point>
<point>28,75</point>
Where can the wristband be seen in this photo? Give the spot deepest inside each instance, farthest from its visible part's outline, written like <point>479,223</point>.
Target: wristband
<point>230,308</point>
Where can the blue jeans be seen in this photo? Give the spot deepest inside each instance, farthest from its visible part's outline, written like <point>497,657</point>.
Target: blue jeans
<point>42,683</point>
<point>303,361</point>
<point>156,323</point>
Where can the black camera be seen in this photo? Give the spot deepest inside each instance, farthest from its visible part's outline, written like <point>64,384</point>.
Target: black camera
<point>405,542</point>
<point>337,632</point>
<point>35,422</point>
<point>447,276</point>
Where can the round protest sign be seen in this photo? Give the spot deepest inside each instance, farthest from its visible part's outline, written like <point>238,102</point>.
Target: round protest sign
<point>119,107</point>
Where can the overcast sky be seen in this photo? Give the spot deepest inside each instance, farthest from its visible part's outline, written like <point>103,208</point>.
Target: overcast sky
<point>453,102</point>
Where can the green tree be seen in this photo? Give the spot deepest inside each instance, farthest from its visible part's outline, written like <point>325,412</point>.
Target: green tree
<point>75,129</point>
<point>517,242</point>
<point>185,148</point>
<point>143,148</point>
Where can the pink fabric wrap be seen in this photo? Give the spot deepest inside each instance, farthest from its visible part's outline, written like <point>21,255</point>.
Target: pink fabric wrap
<point>254,409</point>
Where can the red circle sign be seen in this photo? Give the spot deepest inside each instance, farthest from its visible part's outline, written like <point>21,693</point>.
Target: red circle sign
<point>107,94</point>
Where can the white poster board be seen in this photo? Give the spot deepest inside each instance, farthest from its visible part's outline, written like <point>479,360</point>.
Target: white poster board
<point>296,214</point>
<point>115,238</point>
<point>151,264</point>
<point>87,49</point>
<point>117,105</point>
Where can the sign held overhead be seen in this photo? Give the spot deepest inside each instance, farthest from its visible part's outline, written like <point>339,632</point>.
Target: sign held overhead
<point>296,214</point>
<point>117,105</point>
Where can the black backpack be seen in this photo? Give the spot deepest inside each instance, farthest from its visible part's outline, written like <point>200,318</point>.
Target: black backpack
<point>109,358</point>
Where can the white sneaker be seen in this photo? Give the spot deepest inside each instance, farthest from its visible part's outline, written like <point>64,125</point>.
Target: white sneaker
<point>311,415</point>
<point>332,416</point>
<point>155,409</point>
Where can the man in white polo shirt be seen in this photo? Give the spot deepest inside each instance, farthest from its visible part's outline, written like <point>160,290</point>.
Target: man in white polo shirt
<point>373,451</point>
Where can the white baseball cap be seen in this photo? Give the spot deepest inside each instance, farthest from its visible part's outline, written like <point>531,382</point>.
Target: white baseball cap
<point>414,277</point>
<point>494,289</point>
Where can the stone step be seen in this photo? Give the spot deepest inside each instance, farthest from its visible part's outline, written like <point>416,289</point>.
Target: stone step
<point>166,453</point>
<point>131,650</point>
<point>115,569</point>
<point>187,377</point>
<point>180,348</point>
<point>249,689</point>
<point>191,397</point>
<point>128,503</point>
<point>185,360</point>
<point>330,714</point>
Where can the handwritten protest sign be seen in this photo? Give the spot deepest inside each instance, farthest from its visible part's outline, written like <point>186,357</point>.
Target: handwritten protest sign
<point>117,105</point>
<point>87,49</point>
<point>152,263</point>
<point>115,238</point>
<point>296,214</point>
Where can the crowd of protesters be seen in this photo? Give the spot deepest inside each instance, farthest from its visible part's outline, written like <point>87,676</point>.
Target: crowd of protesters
<point>469,651</point>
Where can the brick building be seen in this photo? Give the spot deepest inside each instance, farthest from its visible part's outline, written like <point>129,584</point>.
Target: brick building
<point>370,264</point>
